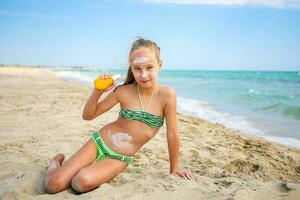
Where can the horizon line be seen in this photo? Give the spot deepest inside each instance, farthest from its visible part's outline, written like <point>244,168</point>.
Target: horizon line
<point>164,68</point>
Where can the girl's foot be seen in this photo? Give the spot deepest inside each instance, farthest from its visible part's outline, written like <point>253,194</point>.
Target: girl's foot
<point>56,162</point>
<point>59,158</point>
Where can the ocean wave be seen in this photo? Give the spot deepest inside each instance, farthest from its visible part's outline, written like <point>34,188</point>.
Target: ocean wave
<point>205,110</point>
<point>284,140</point>
<point>202,81</point>
<point>254,91</point>
<point>292,111</point>
<point>75,75</point>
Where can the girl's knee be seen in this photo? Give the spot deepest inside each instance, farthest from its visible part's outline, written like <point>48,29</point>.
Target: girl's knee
<point>83,182</point>
<point>54,184</point>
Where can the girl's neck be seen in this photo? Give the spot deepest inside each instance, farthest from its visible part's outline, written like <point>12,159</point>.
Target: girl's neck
<point>149,90</point>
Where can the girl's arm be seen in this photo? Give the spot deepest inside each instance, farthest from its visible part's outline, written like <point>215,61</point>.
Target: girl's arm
<point>173,137</point>
<point>93,108</point>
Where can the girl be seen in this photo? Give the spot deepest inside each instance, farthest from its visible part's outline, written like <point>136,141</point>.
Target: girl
<point>144,105</point>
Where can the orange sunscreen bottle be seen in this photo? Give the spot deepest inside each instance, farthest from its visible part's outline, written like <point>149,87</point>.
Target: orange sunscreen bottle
<point>102,84</point>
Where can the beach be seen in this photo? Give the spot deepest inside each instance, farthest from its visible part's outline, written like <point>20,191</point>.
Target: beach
<point>41,115</point>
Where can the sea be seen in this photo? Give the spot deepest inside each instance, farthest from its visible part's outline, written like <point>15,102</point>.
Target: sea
<point>262,103</point>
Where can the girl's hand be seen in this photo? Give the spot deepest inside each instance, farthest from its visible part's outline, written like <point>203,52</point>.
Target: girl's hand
<point>183,174</point>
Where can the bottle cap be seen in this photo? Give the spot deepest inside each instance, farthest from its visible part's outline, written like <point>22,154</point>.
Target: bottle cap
<point>116,76</point>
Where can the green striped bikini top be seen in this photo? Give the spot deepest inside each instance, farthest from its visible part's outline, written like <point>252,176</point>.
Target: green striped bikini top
<point>142,115</point>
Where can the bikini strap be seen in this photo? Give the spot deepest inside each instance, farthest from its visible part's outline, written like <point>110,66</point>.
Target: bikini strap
<point>140,98</point>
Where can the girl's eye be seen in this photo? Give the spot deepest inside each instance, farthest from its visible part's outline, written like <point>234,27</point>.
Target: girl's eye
<point>149,67</point>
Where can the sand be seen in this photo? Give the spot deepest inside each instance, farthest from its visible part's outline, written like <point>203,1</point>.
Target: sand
<point>41,115</point>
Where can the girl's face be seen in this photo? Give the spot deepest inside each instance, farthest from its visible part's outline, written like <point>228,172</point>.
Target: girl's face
<point>145,66</point>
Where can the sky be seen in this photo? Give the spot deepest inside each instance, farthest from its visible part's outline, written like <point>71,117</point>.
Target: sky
<point>192,34</point>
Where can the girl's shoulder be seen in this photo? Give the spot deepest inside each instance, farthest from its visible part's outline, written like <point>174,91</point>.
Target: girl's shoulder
<point>124,89</point>
<point>167,94</point>
<point>167,91</point>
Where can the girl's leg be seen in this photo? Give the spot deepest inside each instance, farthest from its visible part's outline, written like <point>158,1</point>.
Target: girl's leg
<point>92,176</point>
<point>58,178</point>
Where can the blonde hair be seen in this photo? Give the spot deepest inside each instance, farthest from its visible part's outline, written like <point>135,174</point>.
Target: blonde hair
<point>137,44</point>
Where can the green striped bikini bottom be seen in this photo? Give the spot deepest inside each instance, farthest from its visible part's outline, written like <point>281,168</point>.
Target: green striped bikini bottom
<point>104,152</point>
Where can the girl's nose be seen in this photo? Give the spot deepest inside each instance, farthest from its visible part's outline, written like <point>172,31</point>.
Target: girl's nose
<point>144,74</point>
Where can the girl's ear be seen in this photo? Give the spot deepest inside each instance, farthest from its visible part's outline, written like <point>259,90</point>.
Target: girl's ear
<point>160,64</point>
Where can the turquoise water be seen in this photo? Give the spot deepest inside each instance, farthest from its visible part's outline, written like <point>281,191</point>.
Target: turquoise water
<point>261,103</point>
<point>276,93</point>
